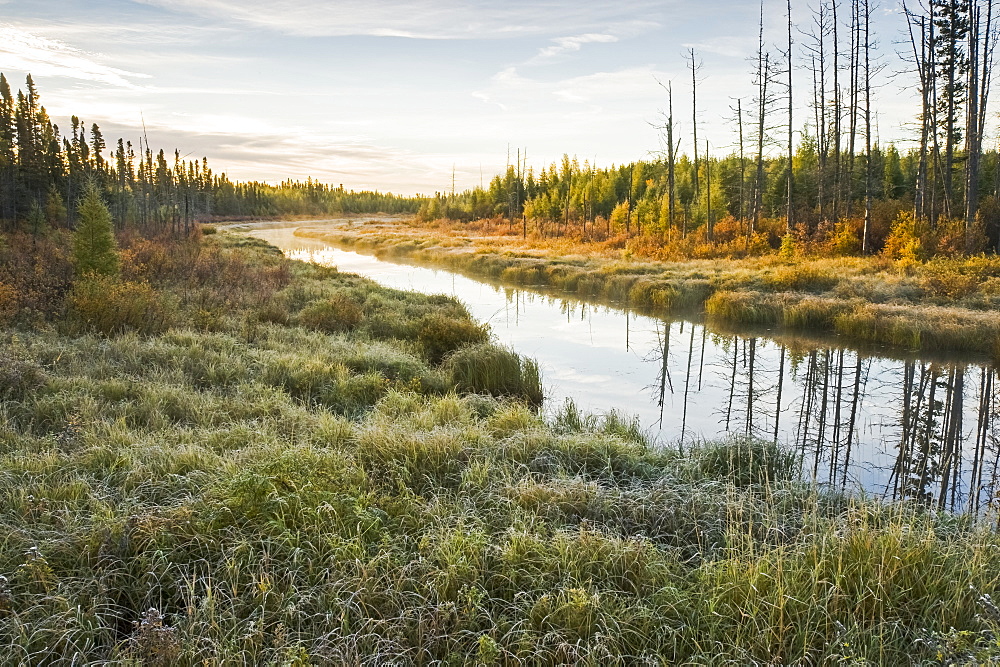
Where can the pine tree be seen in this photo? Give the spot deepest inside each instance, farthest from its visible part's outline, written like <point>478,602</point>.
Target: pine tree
<point>94,246</point>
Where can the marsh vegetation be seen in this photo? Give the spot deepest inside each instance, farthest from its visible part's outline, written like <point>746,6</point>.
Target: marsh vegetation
<point>280,470</point>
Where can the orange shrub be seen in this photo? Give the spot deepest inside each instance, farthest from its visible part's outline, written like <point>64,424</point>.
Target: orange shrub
<point>8,303</point>
<point>111,305</point>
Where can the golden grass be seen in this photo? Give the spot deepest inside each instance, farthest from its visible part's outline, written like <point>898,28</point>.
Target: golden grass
<point>941,305</point>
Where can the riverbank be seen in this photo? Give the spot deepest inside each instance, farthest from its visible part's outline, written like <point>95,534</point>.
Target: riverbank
<point>292,465</point>
<point>941,305</point>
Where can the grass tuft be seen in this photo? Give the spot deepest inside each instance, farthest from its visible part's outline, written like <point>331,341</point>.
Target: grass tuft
<point>497,371</point>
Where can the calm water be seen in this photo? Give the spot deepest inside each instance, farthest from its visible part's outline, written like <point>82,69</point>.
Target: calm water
<point>902,427</point>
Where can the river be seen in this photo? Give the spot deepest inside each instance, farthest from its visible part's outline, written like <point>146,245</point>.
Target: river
<point>893,425</point>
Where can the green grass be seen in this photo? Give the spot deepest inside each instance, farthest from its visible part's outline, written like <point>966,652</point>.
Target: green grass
<point>943,305</point>
<point>238,490</point>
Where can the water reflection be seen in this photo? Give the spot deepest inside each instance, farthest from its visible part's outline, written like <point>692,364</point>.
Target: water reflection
<point>900,427</point>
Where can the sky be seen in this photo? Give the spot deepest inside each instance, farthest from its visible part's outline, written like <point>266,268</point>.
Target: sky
<point>405,96</point>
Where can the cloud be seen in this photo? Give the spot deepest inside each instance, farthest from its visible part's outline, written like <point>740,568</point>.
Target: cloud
<point>27,52</point>
<point>423,19</point>
<point>512,90</point>
<point>572,44</point>
<point>731,47</point>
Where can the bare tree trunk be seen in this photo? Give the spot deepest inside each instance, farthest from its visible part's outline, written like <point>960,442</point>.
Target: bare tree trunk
<point>868,132</point>
<point>759,180</point>
<point>790,176</point>
<point>920,60</point>
<point>982,42</point>
<point>837,115</point>
<point>853,111</point>
<point>762,77</point>
<point>671,159</point>
<point>708,194</point>
<point>743,176</point>
<point>694,114</point>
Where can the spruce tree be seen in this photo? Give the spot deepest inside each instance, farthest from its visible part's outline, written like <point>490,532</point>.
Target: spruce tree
<point>94,246</point>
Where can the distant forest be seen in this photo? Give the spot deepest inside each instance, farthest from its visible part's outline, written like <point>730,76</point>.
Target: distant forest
<point>44,174</point>
<point>834,189</point>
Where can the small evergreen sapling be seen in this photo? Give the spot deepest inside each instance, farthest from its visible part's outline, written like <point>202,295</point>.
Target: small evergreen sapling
<point>94,248</point>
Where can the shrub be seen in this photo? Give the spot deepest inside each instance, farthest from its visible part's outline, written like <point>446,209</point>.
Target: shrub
<point>440,335</point>
<point>905,242</point>
<point>846,238</point>
<point>18,376</point>
<point>8,303</point>
<point>801,278</point>
<point>110,306</point>
<point>948,278</point>
<point>787,250</point>
<point>338,313</point>
<point>741,308</point>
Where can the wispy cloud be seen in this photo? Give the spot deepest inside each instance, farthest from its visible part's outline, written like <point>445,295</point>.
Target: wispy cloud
<point>249,148</point>
<point>731,47</point>
<point>564,45</point>
<point>25,51</point>
<point>509,88</point>
<point>423,19</point>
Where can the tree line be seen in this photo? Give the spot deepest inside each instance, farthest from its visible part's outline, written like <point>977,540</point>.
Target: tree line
<point>45,175</point>
<point>836,184</point>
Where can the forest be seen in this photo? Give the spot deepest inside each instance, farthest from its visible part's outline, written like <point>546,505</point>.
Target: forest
<point>836,188</point>
<point>44,174</point>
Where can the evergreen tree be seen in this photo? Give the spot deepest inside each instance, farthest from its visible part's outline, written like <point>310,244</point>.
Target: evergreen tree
<point>94,246</point>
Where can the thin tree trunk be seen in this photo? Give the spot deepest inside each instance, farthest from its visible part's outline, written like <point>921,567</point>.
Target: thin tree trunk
<point>790,176</point>
<point>694,115</point>
<point>868,133</point>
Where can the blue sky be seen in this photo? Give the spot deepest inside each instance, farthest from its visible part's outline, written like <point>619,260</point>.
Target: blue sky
<point>395,94</point>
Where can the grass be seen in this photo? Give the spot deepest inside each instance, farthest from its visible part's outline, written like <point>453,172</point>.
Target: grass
<point>241,488</point>
<point>941,305</point>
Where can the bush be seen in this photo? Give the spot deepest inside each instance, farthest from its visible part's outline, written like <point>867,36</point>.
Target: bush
<point>440,335</point>
<point>18,376</point>
<point>801,278</point>
<point>905,242</point>
<point>741,308</point>
<point>8,303</point>
<point>335,314</point>
<point>110,306</point>
<point>949,278</point>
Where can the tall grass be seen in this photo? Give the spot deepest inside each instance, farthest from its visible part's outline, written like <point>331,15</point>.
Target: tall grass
<point>267,493</point>
<point>796,293</point>
<point>494,370</point>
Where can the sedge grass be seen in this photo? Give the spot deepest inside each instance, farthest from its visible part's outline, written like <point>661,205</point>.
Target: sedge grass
<point>213,497</point>
<point>797,294</point>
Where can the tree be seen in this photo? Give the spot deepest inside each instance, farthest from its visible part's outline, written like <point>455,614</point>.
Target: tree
<point>94,246</point>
